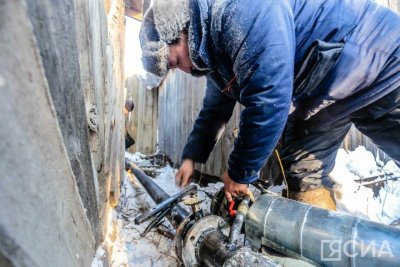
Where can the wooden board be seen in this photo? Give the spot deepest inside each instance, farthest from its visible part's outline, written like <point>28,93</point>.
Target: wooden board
<point>142,122</point>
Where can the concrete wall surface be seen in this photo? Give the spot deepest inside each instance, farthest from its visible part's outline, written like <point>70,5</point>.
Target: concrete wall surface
<point>62,127</point>
<point>42,219</point>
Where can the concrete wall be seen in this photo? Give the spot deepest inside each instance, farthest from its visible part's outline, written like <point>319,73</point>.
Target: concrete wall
<point>61,98</point>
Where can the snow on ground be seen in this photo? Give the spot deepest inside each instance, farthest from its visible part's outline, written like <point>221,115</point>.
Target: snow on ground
<point>130,249</point>
<point>152,250</point>
<point>381,206</point>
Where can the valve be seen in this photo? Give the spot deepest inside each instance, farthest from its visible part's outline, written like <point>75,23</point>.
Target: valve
<point>194,200</point>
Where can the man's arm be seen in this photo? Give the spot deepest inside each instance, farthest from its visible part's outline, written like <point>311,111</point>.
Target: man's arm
<point>215,113</point>
<point>260,41</point>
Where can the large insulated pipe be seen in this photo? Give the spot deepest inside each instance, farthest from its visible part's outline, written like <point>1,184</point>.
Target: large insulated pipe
<point>178,213</point>
<point>325,237</point>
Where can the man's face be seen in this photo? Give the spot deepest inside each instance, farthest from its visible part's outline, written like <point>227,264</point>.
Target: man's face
<point>179,55</point>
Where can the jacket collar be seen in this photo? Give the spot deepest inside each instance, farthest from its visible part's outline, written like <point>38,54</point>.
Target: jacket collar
<point>199,36</point>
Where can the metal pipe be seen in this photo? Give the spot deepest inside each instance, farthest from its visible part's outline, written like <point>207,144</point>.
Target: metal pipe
<point>178,213</point>
<point>237,225</point>
<point>214,253</point>
<point>156,193</point>
<point>325,237</point>
<point>213,249</point>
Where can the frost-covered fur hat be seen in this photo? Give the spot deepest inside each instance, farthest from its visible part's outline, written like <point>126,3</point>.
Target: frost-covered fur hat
<point>161,26</point>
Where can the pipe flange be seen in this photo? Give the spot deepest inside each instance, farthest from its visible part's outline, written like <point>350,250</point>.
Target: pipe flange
<point>190,243</point>
<point>178,238</point>
<point>200,241</point>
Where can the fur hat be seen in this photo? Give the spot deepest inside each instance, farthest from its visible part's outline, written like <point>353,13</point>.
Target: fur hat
<point>161,26</point>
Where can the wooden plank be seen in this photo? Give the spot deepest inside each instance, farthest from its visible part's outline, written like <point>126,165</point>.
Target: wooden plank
<point>355,139</point>
<point>142,125</point>
<point>180,101</point>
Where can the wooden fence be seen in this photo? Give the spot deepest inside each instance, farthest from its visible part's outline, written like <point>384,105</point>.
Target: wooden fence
<point>180,100</point>
<point>142,122</point>
<point>355,139</point>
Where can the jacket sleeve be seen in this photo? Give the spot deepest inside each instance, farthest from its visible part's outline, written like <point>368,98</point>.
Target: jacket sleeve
<point>261,45</point>
<point>210,123</point>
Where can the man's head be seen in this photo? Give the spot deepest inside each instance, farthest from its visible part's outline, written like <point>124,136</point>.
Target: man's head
<point>129,106</point>
<point>178,56</point>
<point>163,37</point>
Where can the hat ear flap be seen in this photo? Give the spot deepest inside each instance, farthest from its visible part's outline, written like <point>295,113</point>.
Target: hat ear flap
<point>154,51</point>
<point>155,58</point>
<point>148,32</point>
<point>161,26</point>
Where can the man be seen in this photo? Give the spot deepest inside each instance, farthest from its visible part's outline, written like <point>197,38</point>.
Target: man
<point>129,106</point>
<point>306,68</point>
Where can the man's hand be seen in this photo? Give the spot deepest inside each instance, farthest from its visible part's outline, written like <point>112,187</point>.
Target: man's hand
<point>233,189</point>
<point>184,173</point>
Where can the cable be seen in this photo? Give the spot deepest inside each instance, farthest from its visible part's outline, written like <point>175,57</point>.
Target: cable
<point>201,173</point>
<point>283,173</point>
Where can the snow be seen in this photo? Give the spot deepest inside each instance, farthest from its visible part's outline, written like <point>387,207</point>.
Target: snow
<point>99,257</point>
<point>137,157</point>
<point>155,249</point>
<point>361,162</point>
<point>382,206</point>
<point>129,248</point>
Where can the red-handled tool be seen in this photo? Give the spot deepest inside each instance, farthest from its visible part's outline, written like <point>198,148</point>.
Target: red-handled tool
<point>232,212</point>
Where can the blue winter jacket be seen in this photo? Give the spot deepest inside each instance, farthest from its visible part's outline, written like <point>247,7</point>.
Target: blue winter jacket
<point>312,58</point>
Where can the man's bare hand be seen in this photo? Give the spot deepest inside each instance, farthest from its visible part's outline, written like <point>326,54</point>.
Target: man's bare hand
<point>233,189</point>
<point>184,173</point>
